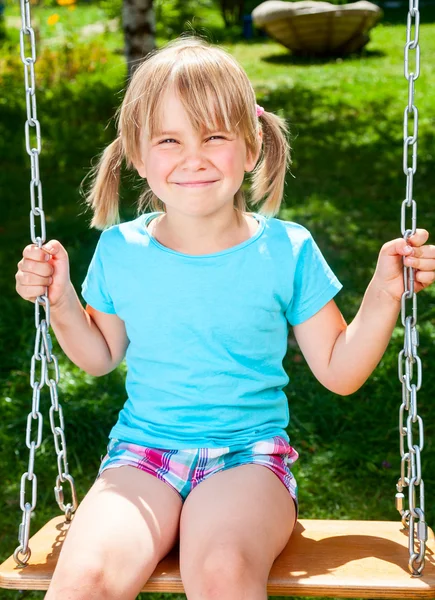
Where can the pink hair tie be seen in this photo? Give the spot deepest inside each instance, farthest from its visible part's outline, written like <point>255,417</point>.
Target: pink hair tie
<point>260,110</point>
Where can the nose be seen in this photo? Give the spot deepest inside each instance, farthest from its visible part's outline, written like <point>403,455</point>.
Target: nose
<point>193,158</point>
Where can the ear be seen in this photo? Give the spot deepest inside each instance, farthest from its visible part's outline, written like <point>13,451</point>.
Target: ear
<point>251,160</point>
<point>140,168</point>
<point>139,164</point>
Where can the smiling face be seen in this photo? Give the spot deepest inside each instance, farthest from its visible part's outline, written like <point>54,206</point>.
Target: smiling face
<point>193,172</point>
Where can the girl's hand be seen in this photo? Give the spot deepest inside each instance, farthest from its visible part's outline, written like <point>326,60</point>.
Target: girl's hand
<point>389,270</point>
<point>42,268</point>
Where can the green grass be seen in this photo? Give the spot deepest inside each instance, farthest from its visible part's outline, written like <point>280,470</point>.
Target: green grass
<point>76,17</point>
<point>346,186</point>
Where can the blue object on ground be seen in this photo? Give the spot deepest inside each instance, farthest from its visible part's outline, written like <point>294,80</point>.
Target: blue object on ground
<point>247,27</point>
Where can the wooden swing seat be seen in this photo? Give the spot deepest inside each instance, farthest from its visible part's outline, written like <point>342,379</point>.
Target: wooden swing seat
<point>346,559</point>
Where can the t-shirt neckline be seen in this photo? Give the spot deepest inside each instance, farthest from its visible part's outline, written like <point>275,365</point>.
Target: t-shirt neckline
<point>260,218</point>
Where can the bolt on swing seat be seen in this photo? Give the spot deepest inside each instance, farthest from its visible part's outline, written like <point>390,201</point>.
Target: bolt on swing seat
<point>341,559</point>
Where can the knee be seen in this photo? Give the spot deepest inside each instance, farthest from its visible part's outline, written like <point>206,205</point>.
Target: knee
<point>81,580</point>
<point>224,573</point>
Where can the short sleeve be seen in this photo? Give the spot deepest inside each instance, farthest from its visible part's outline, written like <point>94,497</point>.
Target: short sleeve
<point>94,287</point>
<point>314,283</point>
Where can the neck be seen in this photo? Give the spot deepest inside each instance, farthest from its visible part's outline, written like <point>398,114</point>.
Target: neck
<point>205,234</point>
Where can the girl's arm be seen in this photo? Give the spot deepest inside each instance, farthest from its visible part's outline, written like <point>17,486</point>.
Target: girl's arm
<point>343,356</point>
<point>95,341</point>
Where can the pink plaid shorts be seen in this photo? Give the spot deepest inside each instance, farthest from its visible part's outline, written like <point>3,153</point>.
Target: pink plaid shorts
<point>185,469</point>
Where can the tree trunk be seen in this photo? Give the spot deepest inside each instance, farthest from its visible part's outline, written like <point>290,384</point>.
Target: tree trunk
<point>232,11</point>
<point>138,23</point>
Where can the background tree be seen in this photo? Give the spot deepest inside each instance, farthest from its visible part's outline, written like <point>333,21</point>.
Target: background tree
<point>232,11</point>
<point>138,22</point>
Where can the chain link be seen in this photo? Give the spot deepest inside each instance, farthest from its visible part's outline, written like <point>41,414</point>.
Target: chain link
<point>42,353</point>
<point>413,517</point>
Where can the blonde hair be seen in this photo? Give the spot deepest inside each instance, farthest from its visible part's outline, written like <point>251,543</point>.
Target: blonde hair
<point>214,89</point>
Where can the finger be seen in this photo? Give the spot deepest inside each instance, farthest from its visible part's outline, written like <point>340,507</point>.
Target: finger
<point>422,264</point>
<point>54,247</point>
<point>425,277</point>
<point>419,238</point>
<point>404,248</point>
<point>37,267</point>
<point>426,251</point>
<point>395,247</point>
<point>35,291</point>
<point>32,292</point>
<point>35,253</point>
<point>31,280</point>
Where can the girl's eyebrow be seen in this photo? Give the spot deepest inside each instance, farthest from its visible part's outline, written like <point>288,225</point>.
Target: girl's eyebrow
<point>159,133</point>
<point>177,133</point>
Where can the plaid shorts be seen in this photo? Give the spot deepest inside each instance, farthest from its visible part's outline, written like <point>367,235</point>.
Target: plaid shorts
<point>185,469</point>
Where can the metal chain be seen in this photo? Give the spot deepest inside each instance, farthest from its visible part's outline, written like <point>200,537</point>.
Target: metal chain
<point>43,345</point>
<point>413,517</point>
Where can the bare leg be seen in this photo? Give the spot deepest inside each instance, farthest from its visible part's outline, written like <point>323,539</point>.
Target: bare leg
<point>233,526</point>
<point>126,524</point>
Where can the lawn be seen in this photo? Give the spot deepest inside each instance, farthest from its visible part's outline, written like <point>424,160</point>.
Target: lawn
<point>346,185</point>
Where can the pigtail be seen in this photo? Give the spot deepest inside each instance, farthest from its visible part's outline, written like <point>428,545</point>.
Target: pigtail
<point>269,175</point>
<point>103,196</point>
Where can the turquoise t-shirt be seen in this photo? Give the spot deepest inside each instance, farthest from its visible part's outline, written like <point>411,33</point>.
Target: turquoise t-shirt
<point>208,333</point>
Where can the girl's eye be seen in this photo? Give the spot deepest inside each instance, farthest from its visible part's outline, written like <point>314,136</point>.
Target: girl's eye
<point>218,137</point>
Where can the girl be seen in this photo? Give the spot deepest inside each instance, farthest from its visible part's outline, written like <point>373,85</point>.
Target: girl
<point>198,295</point>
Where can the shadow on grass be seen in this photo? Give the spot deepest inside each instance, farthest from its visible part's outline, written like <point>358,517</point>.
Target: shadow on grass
<point>293,59</point>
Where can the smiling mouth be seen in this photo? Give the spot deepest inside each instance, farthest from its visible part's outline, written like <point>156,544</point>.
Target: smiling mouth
<point>194,184</point>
